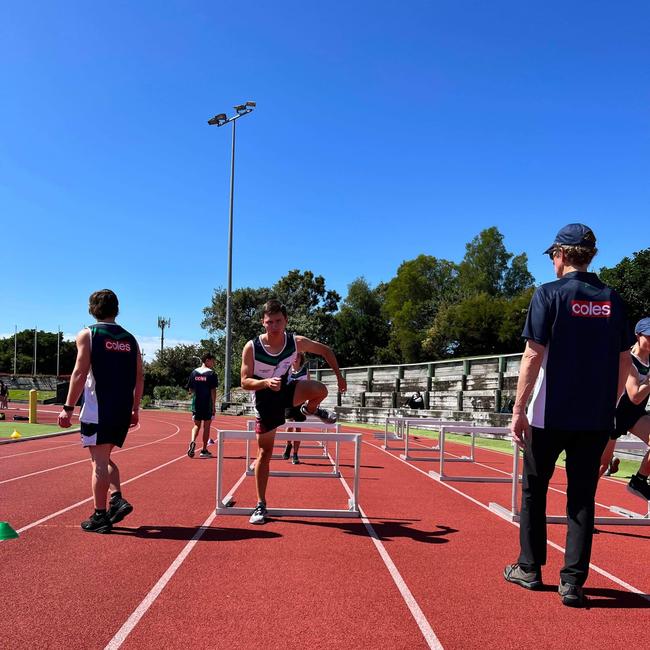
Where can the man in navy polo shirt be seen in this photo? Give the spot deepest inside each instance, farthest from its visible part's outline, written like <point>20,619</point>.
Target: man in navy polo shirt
<point>575,364</point>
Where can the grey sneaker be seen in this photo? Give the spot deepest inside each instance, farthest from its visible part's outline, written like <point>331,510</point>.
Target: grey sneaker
<point>571,595</point>
<point>328,417</point>
<point>259,514</point>
<point>639,487</point>
<point>527,579</point>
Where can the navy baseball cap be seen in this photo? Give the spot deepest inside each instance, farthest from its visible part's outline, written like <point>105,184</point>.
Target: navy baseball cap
<point>643,326</point>
<point>575,234</point>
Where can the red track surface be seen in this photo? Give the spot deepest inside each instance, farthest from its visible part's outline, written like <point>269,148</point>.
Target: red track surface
<point>294,582</point>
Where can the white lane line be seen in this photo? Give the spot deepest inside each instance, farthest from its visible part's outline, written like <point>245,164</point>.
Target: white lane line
<point>596,568</point>
<point>38,451</point>
<point>156,590</point>
<point>86,460</point>
<point>79,503</point>
<point>417,614</point>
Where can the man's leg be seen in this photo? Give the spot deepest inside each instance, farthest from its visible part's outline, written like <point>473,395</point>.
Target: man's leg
<point>265,451</point>
<point>195,433</point>
<point>118,507</point>
<point>206,433</point>
<point>584,450</point>
<point>100,456</point>
<point>539,463</point>
<point>310,394</point>
<point>638,484</point>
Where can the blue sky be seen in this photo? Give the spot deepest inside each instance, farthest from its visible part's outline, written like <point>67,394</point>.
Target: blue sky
<point>382,131</point>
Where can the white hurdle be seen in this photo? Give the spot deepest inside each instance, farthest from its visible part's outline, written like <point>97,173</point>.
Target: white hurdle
<point>223,504</point>
<point>396,421</point>
<point>631,443</point>
<point>433,424</point>
<point>473,431</point>
<point>513,514</point>
<point>310,426</point>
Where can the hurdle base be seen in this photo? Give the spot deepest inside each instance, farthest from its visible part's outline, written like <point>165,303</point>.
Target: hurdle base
<point>624,512</point>
<point>291,512</point>
<point>251,472</point>
<point>470,479</point>
<point>460,459</point>
<point>637,520</point>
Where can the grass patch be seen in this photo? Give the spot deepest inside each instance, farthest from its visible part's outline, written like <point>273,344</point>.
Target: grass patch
<point>27,430</point>
<point>15,394</point>
<point>625,470</point>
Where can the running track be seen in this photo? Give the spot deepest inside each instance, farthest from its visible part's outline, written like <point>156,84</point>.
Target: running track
<point>422,570</point>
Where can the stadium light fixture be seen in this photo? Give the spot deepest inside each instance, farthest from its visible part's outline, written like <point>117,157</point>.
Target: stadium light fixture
<point>219,120</point>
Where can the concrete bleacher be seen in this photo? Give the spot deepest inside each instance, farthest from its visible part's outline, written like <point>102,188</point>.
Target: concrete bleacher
<point>478,386</point>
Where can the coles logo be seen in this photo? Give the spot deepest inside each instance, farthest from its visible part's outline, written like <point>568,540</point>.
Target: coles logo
<point>200,378</point>
<point>591,309</point>
<point>116,346</point>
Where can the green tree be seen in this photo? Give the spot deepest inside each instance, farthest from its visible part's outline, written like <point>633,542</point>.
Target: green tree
<point>413,298</point>
<point>45,353</point>
<point>361,327</point>
<point>479,325</point>
<point>631,278</point>
<point>485,267</point>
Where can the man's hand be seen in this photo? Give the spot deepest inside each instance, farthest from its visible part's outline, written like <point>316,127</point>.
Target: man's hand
<point>64,419</point>
<point>135,417</point>
<point>343,385</point>
<point>274,383</point>
<point>520,428</point>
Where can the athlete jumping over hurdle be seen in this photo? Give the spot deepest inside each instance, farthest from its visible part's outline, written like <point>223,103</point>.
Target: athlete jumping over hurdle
<point>266,364</point>
<point>631,411</point>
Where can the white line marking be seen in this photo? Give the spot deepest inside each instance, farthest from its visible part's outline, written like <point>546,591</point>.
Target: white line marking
<point>38,451</point>
<point>418,615</point>
<point>156,590</point>
<point>87,460</point>
<point>596,568</point>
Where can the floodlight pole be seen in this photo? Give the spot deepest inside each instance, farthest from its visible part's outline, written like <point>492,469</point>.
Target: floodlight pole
<point>162,323</point>
<point>220,120</point>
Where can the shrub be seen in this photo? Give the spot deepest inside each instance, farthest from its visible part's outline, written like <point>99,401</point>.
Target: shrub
<point>170,392</point>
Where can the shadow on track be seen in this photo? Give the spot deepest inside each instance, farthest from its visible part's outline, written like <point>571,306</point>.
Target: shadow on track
<point>186,533</point>
<point>602,598</point>
<point>386,530</point>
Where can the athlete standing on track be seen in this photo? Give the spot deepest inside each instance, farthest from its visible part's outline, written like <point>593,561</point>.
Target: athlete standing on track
<point>576,357</point>
<point>299,372</point>
<point>203,386</point>
<point>108,370</point>
<point>266,362</point>
<point>631,412</point>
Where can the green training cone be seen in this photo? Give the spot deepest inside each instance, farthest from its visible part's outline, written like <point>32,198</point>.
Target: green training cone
<point>6,531</point>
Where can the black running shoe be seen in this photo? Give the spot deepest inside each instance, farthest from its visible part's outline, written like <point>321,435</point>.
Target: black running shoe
<point>190,449</point>
<point>205,454</point>
<point>118,509</point>
<point>97,523</point>
<point>328,417</point>
<point>613,466</point>
<point>287,451</point>
<point>639,487</point>
<point>295,460</point>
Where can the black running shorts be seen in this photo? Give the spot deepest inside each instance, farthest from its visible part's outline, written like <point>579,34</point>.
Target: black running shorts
<point>271,406</point>
<point>99,434</point>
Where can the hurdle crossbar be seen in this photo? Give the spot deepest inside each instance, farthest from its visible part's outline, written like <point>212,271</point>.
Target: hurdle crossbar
<point>473,431</point>
<point>223,507</point>
<point>624,518</point>
<point>433,424</point>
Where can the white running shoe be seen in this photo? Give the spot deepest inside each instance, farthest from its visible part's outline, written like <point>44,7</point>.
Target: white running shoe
<point>259,514</point>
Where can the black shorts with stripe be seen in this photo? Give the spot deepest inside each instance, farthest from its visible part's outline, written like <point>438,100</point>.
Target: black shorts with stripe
<point>104,434</point>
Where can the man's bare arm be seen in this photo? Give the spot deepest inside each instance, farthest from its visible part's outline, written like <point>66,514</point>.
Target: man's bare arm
<point>79,375</point>
<point>637,389</point>
<point>531,362</point>
<point>307,345</point>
